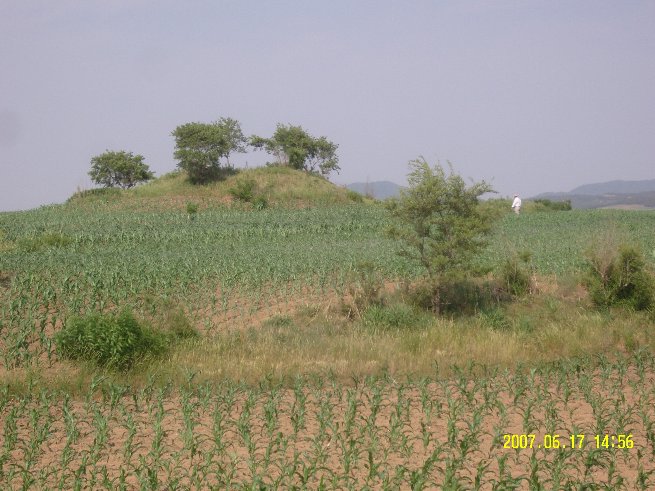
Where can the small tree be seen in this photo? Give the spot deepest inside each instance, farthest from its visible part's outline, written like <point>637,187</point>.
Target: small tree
<point>293,146</point>
<point>121,169</point>
<point>440,223</point>
<point>202,148</point>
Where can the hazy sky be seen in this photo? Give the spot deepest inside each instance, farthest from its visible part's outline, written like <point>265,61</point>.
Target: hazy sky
<point>533,96</point>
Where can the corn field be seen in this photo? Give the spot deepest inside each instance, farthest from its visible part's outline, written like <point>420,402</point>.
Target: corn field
<point>376,433</point>
<point>229,267</point>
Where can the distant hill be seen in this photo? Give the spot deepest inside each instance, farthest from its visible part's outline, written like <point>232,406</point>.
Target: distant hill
<point>611,194</point>
<point>376,189</point>
<point>616,187</point>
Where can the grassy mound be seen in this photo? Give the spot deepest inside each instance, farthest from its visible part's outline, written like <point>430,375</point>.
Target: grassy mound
<point>278,186</point>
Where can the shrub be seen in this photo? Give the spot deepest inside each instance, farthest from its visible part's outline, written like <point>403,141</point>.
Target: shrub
<point>516,275</point>
<point>620,279</point>
<point>463,296</point>
<point>111,341</point>
<point>192,210</point>
<point>243,190</point>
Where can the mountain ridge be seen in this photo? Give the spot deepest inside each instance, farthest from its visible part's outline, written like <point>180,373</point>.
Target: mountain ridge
<point>610,194</point>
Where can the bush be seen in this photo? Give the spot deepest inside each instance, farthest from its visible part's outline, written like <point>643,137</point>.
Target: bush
<point>620,279</point>
<point>464,296</point>
<point>192,210</point>
<point>111,341</point>
<point>243,190</point>
<point>516,275</point>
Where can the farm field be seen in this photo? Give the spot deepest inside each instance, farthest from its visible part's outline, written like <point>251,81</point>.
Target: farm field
<point>283,389</point>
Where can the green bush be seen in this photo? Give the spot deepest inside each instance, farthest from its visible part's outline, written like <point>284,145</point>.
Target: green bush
<point>243,190</point>
<point>516,275</point>
<point>620,279</point>
<point>192,210</point>
<point>111,341</point>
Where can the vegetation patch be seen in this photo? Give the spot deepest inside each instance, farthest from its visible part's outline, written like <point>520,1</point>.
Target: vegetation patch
<point>5,243</point>
<point>109,340</point>
<point>621,278</point>
<point>45,240</point>
<point>393,316</point>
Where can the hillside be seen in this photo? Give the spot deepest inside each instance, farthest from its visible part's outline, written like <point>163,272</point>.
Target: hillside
<point>611,194</point>
<point>278,186</point>
<point>616,187</point>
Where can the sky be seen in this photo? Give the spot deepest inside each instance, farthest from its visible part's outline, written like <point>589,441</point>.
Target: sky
<point>529,95</point>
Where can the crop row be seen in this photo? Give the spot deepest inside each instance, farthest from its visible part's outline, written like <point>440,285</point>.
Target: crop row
<point>377,433</point>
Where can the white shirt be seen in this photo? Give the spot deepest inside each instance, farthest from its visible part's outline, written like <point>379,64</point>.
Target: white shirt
<point>517,202</point>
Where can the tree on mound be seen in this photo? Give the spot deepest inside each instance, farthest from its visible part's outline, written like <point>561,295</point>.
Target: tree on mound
<point>294,147</point>
<point>439,223</point>
<point>121,168</point>
<point>203,150</point>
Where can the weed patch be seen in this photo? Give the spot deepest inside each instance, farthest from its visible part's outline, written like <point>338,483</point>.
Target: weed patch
<point>111,341</point>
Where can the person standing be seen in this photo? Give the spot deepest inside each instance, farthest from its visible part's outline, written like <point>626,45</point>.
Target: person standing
<point>516,204</point>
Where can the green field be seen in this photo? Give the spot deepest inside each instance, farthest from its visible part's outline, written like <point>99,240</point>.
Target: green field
<point>283,388</point>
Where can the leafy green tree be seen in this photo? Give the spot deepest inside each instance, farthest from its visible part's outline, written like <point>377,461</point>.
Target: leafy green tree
<point>203,150</point>
<point>122,169</point>
<point>294,147</point>
<point>439,222</point>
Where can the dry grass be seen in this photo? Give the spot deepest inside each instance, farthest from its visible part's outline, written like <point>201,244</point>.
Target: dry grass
<point>537,330</point>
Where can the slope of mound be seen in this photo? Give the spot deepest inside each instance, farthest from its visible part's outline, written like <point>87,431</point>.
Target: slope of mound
<point>279,186</point>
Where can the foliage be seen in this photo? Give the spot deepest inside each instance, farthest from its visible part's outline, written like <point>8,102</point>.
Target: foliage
<point>294,147</point>
<point>260,203</point>
<point>620,279</point>
<point>549,205</point>
<point>516,274</point>
<point>112,341</point>
<point>203,150</point>
<point>243,190</point>
<point>191,209</point>
<point>354,196</point>
<point>457,296</point>
<point>122,169</point>
<point>439,221</point>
